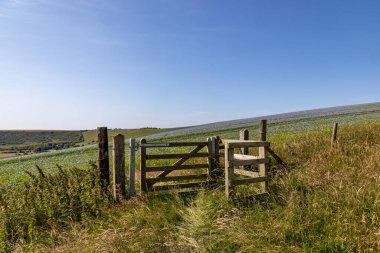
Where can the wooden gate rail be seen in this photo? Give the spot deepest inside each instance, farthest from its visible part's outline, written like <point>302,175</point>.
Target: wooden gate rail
<point>148,184</point>
<point>233,160</point>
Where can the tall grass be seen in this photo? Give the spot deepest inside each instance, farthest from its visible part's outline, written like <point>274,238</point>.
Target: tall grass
<point>326,201</point>
<point>42,207</point>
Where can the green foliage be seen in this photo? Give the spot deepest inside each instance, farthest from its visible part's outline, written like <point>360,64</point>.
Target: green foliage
<point>47,203</point>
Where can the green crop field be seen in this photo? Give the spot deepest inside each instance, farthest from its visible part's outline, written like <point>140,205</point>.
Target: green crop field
<point>91,136</point>
<point>11,171</point>
<point>23,142</point>
<point>325,201</point>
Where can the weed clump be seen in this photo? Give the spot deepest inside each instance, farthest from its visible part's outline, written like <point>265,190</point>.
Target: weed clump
<point>47,203</point>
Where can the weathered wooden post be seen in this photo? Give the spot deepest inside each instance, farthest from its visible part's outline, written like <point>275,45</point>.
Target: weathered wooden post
<point>104,167</point>
<point>213,160</point>
<point>210,161</point>
<point>263,130</point>
<point>244,136</point>
<point>132,153</point>
<point>143,185</point>
<point>217,153</point>
<point>263,168</point>
<point>118,153</point>
<point>334,136</point>
<point>229,170</point>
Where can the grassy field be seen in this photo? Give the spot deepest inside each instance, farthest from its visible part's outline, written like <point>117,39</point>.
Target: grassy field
<point>325,202</point>
<point>91,136</point>
<point>23,142</point>
<point>12,171</point>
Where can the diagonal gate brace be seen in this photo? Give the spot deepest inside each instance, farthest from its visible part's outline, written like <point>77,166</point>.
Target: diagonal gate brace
<point>179,162</point>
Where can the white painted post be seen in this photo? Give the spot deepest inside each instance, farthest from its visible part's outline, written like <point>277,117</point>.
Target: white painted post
<point>132,153</point>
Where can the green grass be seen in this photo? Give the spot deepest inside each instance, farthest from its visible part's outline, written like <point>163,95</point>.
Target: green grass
<point>325,202</point>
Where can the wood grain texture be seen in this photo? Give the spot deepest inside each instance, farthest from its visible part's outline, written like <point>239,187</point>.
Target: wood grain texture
<point>103,157</point>
<point>118,168</point>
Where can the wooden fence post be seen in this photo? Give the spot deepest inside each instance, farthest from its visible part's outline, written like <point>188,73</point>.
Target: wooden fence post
<point>263,168</point>
<point>104,168</point>
<point>229,171</point>
<point>210,161</point>
<point>334,136</point>
<point>143,185</point>
<point>217,153</point>
<point>213,148</point>
<point>132,153</point>
<point>244,135</point>
<point>118,153</point>
<point>263,130</point>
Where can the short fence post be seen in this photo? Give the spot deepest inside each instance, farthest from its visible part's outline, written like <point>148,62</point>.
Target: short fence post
<point>263,168</point>
<point>104,167</point>
<point>263,130</point>
<point>143,185</point>
<point>210,161</point>
<point>217,153</point>
<point>132,153</point>
<point>334,136</point>
<point>118,152</point>
<point>244,136</point>
<point>229,171</point>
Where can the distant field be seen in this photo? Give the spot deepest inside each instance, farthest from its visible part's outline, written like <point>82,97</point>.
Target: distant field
<point>24,142</point>
<point>14,143</point>
<point>12,171</point>
<point>91,136</point>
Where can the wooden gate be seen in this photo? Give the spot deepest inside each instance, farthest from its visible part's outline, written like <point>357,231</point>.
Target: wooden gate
<point>155,178</point>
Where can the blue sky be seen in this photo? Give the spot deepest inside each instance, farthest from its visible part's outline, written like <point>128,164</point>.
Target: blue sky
<point>79,64</point>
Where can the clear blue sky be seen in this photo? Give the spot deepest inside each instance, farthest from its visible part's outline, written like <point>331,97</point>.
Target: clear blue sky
<point>78,64</point>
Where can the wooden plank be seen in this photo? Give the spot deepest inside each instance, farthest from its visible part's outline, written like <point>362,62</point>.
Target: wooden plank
<point>250,181</point>
<point>276,157</point>
<point>179,186</point>
<point>250,162</point>
<point>244,157</point>
<point>143,185</point>
<point>181,161</point>
<point>118,152</point>
<point>177,178</point>
<point>132,174</point>
<point>179,167</point>
<point>174,144</point>
<point>246,173</point>
<point>242,144</point>
<point>173,156</point>
<point>104,166</point>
